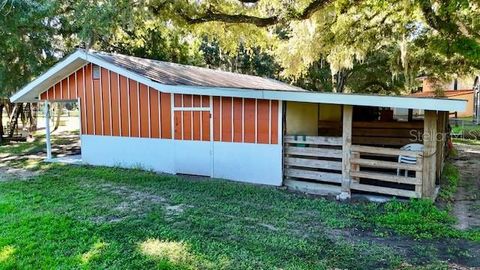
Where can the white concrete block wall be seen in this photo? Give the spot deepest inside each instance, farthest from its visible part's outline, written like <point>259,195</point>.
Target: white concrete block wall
<point>245,162</point>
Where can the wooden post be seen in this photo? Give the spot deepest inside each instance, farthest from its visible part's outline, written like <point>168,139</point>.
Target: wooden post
<point>355,167</point>
<point>418,175</point>
<point>346,148</point>
<point>447,136</point>
<point>47,130</point>
<point>429,154</point>
<point>441,124</point>
<point>410,115</point>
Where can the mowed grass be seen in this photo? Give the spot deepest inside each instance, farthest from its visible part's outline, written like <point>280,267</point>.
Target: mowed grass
<point>72,217</point>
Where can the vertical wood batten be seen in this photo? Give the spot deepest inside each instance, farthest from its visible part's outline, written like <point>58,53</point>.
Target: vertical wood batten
<point>346,147</point>
<point>429,154</point>
<point>138,111</point>
<point>149,113</point>
<point>104,98</point>
<point>84,101</point>
<point>68,87</point>
<point>159,114</point>
<point>110,119</point>
<point>276,121</point>
<point>144,108</point>
<point>115,103</point>
<point>441,134</point>
<point>154,113</point>
<point>166,122</point>
<point>88,100</point>
<point>124,107</point>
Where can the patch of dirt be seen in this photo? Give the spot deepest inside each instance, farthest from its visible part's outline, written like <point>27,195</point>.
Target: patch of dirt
<point>176,209</point>
<point>134,203</point>
<point>8,173</point>
<point>63,144</point>
<point>460,253</point>
<point>466,206</point>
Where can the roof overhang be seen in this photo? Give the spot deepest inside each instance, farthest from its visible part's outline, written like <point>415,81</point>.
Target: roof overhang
<point>67,66</point>
<point>64,68</point>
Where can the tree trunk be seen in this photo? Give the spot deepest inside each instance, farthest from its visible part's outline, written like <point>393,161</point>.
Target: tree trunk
<point>59,114</point>
<point>339,80</point>
<point>14,122</point>
<point>23,115</point>
<point>33,116</point>
<point>1,120</point>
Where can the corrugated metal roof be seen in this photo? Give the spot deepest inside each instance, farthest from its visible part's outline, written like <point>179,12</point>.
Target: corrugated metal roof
<point>176,74</point>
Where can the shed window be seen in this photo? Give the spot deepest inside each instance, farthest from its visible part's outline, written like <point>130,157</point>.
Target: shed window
<point>96,72</point>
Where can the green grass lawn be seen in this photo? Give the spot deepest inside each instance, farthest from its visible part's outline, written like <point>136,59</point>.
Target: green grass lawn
<point>466,141</point>
<point>83,217</point>
<point>471,132</point>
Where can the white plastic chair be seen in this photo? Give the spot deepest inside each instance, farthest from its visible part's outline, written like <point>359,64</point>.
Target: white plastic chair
<point>409,159</point>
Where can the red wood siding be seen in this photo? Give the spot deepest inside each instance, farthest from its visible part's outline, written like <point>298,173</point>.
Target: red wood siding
<point>154,97</point>
<point>89,100</point>
<point>124,107</point>
<point>166,113</point>
<point>114,105</point>
<point>144,111</point>
<point>106,101</point>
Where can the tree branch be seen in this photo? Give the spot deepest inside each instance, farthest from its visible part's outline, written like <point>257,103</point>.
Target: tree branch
<point>210,16</point>
<point>435,21</point>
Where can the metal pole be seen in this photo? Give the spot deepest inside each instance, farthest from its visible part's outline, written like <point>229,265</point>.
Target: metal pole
<point>477,104</point>
<point>476,101</point>
<point>47,130</point>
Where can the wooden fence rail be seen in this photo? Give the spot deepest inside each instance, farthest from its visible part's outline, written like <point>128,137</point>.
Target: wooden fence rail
<point>313,162</point>
<point>381,165</point>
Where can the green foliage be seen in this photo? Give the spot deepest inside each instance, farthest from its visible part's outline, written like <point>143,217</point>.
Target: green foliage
<point>449,182</point>
<point>420,219</point>
<point>466,141</point>
<point>27,46</point>
<point>370,46</point>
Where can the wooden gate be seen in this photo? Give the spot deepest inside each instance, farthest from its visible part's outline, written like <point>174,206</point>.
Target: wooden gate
<point>313,164</point>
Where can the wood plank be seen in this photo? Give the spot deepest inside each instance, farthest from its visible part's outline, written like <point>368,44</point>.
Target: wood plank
<point>346,147</point>
<point>384,124</point>
<point>312,175</point>
<point>317,140</point>
<point>419,175</point>
<point>429,153</point>
<point>385,190</point>
<point>387,177</point>
<point>313,163</point>
<point>383,141</point>
<point>385,151</point>
<point>312,188</point>
<point>385,164</point>
<point>354,167</point>
<point>313,152</point>
<point>440,142</point>
<point>330,124</point>
<point>386,132</point>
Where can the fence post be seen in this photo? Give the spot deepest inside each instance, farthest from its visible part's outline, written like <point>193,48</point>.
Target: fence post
<point>346,150</point>
<point>429,153</point>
